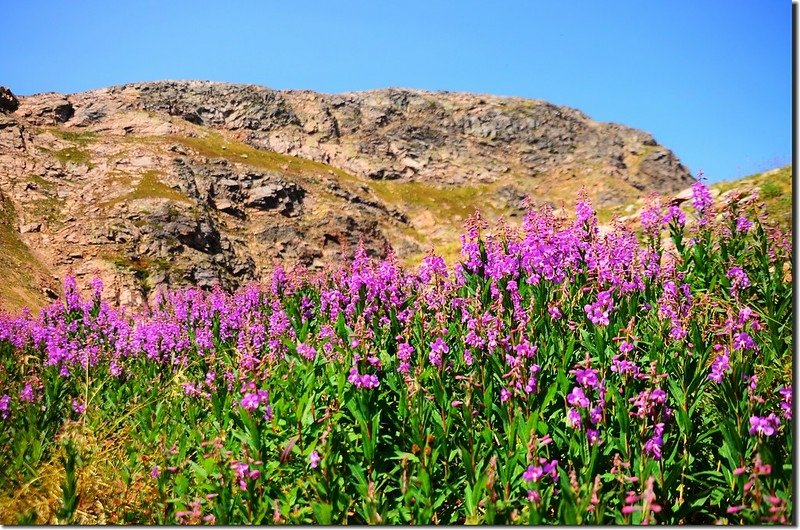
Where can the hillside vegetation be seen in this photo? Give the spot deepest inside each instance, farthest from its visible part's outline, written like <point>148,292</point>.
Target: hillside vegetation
<point>557,374</point>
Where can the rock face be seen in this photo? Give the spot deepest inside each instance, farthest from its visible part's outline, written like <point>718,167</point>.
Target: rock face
<point>448,138</point>
<point>8,101</point>
<point>172,183</point>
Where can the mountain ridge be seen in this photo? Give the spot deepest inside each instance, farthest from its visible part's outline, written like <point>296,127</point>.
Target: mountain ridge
<point>192,182</point>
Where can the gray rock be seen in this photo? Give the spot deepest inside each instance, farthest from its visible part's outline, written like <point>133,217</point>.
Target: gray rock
<point>31,227</point>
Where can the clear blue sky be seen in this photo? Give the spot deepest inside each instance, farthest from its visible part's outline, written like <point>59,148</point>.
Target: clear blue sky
<point>709,79</point>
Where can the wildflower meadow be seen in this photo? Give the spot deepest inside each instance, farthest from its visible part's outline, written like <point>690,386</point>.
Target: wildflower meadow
<point>558,373</point>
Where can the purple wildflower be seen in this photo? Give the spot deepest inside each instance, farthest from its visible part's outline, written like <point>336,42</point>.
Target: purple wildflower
<point>4,403</point>
<point>438,349</point>
<point>719,367</point>
<point>533,473</point>
<point>742,224</point>
<point>786,402</point>
<point>573,418</point>
<point>765,426</point>
<point>250,401</point>
<point>586,377</point>
<point>78,406</point>
<point>578,398</point>
<point>701,197</point>
<point>306,352</point>
<point>26,394</point>
<point>593,435</point>
<point>739,280</point>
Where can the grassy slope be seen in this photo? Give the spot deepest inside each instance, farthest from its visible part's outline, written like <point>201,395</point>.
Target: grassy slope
<point>19,268</point>
<point>774,189</point>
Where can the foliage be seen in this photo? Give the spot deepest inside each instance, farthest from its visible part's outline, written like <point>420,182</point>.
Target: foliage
<point>556,374</point>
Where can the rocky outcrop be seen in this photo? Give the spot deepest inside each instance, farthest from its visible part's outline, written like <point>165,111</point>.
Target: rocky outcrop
<point>448,138</point>
<point>48,109</point>
<point>221,186</point>
<point>8,101</point>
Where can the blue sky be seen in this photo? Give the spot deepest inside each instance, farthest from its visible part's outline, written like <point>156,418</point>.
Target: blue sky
<point>709,79</point>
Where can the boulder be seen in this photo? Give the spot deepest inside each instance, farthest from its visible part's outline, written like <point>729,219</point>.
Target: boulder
<point>8,101</point>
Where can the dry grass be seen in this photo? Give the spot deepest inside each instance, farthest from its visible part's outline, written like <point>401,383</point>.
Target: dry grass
<point>104,497</point>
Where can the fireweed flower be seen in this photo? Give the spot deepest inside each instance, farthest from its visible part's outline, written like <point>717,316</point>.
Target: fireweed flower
<point>742,224</point>
<point>598,311</point>
<point>743,341</point>
<point>550,468</point>
<point>573,418</point>
<point>78,406</point>
<point>577,398</point>
<point>26,394</point>
<point>244,473</point>
<point>625,347</point>
<point>653,445</point>
<point>533,473</point>
<point>674,213</point>
<point>314,459</point>
<point>625,367</point>
<point>701,198</point>
<point>739,280</point>
<point>526,349</point>
<point>650,219</point>
<point>404,352</point>
<point>97,287</point>
<point>584,213</point>
<point>362,381</point>
<point>586,377</point>
<point>786,402</point>
<point>593,436</point>
<point>765,426</point>
<point>252,400</point>
<point>438,349</point>
<point>5,400</point>
<point>719,367</point>
<point>306,351</point>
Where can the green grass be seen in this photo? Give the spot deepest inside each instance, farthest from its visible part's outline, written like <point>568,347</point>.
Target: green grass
<point>48,209</point>
<point>42,182</point>
<point>149,187</point>
<point>214,145</point>
<point>444,203</point>
<point>72,155</point>
<point>17,264</point>
<point>83,138</point>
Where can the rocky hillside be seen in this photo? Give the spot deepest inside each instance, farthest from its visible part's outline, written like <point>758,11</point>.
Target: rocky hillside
<point>170,183</point>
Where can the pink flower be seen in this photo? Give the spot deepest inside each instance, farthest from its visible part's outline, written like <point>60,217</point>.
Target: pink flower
<point>765,426</point>
<point>78,406</point>
<point>250,401</point>
<point>533,473</point>
<point>577,398</point>
<point>314,459</point>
